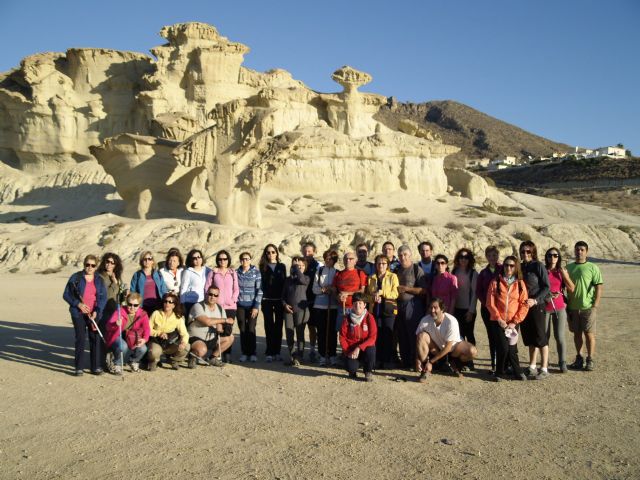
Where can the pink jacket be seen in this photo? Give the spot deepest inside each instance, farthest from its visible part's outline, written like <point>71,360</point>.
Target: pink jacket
<point>228,285</point>
<point>140,325</point>
<point>445,286</point>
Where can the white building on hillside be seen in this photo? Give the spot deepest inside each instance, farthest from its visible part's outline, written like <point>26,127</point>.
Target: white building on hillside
<point>499,163</point>
<point>611,152</point>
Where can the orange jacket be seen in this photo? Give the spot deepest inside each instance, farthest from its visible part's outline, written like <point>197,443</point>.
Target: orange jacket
<point>508,303</point>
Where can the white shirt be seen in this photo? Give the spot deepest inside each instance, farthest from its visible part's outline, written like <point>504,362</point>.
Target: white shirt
<point>448,331</point>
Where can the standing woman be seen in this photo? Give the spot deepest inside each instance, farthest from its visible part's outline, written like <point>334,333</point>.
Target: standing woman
<point>444,285</point>
<point>273,273</point>
<point>172,270</point>
<point>148,283</point>
<point>325,309</point>
<point>535,328</point>
<point>559,280</point>
<point>87,296</point>
<point>296,313</point>
<point>382,296</point>
<point>507,305</point>
<point>110,271</point>
<point>193,279</point>
<point>488,273</point>
<point>225,278</point>
<point>466,300</point>
<point>249,281</point>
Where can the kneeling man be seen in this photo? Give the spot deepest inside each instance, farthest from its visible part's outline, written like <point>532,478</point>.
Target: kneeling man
<point>437,336</point>
<point>205,323</point>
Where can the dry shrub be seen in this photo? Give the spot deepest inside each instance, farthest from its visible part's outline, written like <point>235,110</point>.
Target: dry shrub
<point>400,210</point>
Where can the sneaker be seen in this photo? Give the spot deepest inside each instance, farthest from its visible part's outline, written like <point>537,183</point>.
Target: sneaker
<point>496,378</point>
<point>192,362</point>
<point>368,377</point>
<point>99,371</point>
<point>112,368</point>
<point>322,362</point>
<point>78,373</point>
<point>422,378</point>
<point>541,375</point>
<point>529,372</point>
<point>135,366</point>
<point>117,369</point>
<point>152,367</point>
<point>243,358</point>
<point>253,359</point>
<point>456,366</point>
<point>216,362</point>
<point>333,361</point>
<point>589,365</point>
<point>295,362</point>
<point>268,359</point>
<point>563,367</point>
<point>521,377</point>
<point>578,364</point>
<point>175,366</point>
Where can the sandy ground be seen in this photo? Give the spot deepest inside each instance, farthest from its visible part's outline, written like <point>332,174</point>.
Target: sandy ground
<point>270,421</point>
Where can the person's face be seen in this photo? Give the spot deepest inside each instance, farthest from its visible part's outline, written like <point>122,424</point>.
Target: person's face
<point>464,260</point>
<point>509,268</point>
<point>581,254</point>
<point>441,265</point>
<point>110,265</point>
<point>552,256</point>
<point>307,251</point>
<point>358,307</point>
<point>222,261</point>
<point>169,304</point>
<point>300,264</point>
<point>425,253</point>
<point>147,261</point>
<point>245,261</point>
<point>435,310</point>
<point>197,259</point>
<point>173,262</point>
<point>350,261</point>
<point>362,254</point>
<point>272,255</point>
<point>90,266</point>
<point>132,305</point>
<point>212,296</point>
<point>492,258</point>
<point>329,261</point>
<point>405,258</point>
<point>389,251</point>
<point>381,266</point>
<point>526,254</point>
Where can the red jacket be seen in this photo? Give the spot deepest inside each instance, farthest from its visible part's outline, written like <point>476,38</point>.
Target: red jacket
<point>362,336</point>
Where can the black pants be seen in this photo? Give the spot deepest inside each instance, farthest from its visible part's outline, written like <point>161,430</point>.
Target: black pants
<point>295,323</point>
<point>325,321</point>
<point>409,314</point>
<point>384,343</point>
<point>82,330</point>
<point>228,329</point>
<point>273,313</point>
<point>367,358</point>
<point>466,328</point>
<point>504,352</point>
<point>492,344</point>
<point>247,326</point>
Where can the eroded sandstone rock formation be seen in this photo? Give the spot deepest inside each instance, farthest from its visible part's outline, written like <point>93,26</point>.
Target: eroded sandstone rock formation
<point>194,130</point>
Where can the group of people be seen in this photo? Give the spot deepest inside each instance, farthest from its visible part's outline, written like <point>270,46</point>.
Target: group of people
<point>385,314</point>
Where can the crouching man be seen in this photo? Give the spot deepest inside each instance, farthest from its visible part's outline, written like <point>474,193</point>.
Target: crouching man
<point>205,323</point>
<point>437,336</point>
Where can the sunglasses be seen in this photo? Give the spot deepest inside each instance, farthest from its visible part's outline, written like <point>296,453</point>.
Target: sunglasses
<point>134,305</point>
<point>525,252</point>
<point>509,265</point>
<point>110,262</point>
<point>245,259</point>
<point>171,302</point>
<point>147,259</point>
<point>90,265</point>
<point>222,259</point>
<point>464,257</point>
<point>213,294</point>
<point>196,258</point>
<point>554,255</point>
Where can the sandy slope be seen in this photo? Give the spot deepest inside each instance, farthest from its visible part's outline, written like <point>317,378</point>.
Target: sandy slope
<point>269,421</point>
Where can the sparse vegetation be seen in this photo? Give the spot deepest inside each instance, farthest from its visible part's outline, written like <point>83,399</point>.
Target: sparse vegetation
<point>472,212</point>
<point>107,236</point>
<point>400,210</point>
<point>307,196</point>
<point>312,221</point>
<point>332,208</point>
<point>278,201</point>
<point>441,200</point>
<point>522,236</point>
<point>14,270</point>
<point>372,205</point>
<point>458,227</point>
<point>412,222</point>
<point>496,224</point>
<point>628,229</point>
<point>49,271</point>
<point>271,207</point>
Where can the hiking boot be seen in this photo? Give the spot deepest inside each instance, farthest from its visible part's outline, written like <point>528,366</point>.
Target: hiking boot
<point>368,377</point>
<point>563,367</point>
<point>117,369</point>
<point>135,366</point>
<point>578,364</point>
<point>589,365</point>
<point>192,362</point>
<point>175,366</point>
<point>268,359</point>
<point>322,362</point>
<point>243,358</point>
<point>253,359</point>
<point>98,371</point>
<point>530,372</point>
<point>78,373</point>
<point>216,362</point>
<point>541,375</point>
<point>422,378</point>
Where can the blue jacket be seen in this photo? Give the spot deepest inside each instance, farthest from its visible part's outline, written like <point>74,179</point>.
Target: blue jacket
<point>75,289</point>
<point>250,284</point>
<point>138,279</point>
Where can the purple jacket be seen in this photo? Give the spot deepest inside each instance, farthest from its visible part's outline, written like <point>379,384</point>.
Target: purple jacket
<point>484,279</point>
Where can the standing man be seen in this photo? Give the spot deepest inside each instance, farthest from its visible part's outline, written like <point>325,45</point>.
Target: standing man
<point>389,250</point>
<point>362,252</point>
<point>308,251</point>
<point>411,308</point>
<point>345,283</point>
<point>583,305</point>
<point>425,249</point>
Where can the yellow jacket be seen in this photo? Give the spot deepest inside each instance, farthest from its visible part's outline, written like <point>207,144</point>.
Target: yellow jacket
<point>389,287</point>
<point>161,324</point>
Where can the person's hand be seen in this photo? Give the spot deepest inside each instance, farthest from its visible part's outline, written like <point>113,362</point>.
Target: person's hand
<point>140,342</point>
<point>118,322</point>
<point>555,294</point>
<point>354,353</point>
<point>182,346</point>
<point>342,297</point>
<point>288,308</point>
<point>402,289</point>
<point>163,336</point>
<point>254,313</point>
<point>93,315</point>
<point>377,298</point>
<point>219,328</point>
<point>531,302</point>
<point>429,367</point>
<point>229,321</point>
<point>512,325</point>
<point>84,309</point>
<point>502,324</point>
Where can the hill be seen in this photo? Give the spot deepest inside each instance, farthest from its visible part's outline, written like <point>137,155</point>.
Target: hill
<point>477,134</point>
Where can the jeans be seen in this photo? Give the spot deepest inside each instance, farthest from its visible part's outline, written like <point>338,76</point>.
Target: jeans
<point>273,313</point>
<point>559,321</point>
<point>83,328</point>
<point>367,358</point>
<point>129,356</point>
<point>247,326</point>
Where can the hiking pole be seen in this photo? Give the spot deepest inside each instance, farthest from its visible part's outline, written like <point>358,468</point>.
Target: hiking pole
<point>326,342</point>
<point>121,345</point>
<point>199,358</point>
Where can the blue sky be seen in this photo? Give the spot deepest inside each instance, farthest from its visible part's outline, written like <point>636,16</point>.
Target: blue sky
<point>568,70</point>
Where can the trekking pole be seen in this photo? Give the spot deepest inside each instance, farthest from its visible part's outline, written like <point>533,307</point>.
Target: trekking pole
<point>121,340</point>
<point>326,343</point>
<point>199,358</point>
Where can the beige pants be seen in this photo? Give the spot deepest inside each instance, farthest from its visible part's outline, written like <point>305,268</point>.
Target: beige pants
<point>156,351</point>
